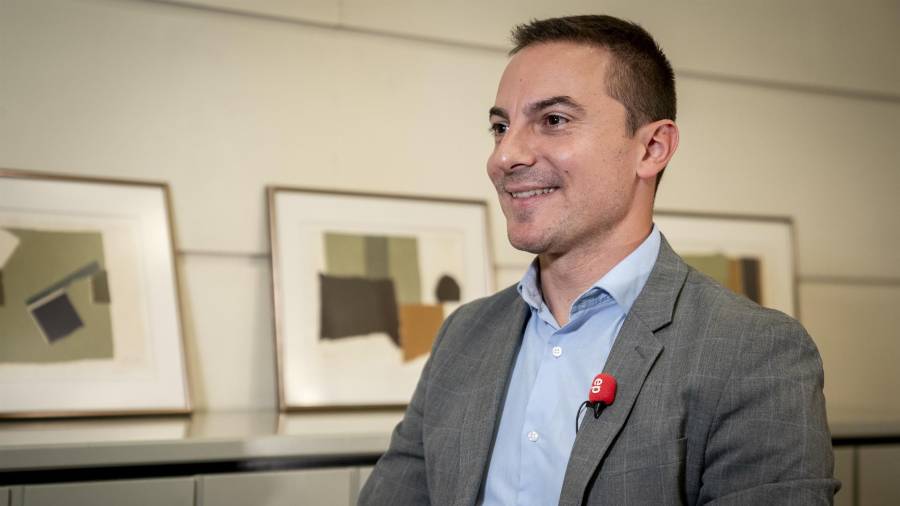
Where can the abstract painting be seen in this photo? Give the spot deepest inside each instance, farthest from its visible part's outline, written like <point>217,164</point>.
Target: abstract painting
<point>56,297</point>
<point>751,255</point>
<point>740,274</point>
<point>89,309</point>
<point>362,285</point>
<point>372,284</point>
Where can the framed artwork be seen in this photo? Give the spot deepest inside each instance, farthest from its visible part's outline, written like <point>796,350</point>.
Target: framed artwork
<point>752,255</point>
<point>89,306</point>
<point>362,283</point>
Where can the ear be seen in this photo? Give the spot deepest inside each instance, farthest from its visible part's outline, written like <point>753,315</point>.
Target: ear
<point>660,140</point>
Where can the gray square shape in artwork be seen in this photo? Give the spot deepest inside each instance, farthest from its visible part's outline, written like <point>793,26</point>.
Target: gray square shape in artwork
<point>56,316</point>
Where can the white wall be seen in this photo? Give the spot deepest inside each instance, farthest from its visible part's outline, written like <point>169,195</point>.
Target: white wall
<point>786,108</point>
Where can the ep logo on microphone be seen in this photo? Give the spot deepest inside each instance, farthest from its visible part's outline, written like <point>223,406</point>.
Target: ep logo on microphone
<point>596,386</point>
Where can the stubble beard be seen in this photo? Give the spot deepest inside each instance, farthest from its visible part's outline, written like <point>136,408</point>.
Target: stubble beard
<point>567,234</point>
<point>532,241</point>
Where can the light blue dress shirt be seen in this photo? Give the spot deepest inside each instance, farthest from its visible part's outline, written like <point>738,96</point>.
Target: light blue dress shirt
<point>552,376</point>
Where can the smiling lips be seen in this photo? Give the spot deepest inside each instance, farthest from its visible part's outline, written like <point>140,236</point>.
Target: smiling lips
<point>532,193</point>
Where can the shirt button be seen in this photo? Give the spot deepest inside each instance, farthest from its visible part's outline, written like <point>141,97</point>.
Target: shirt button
<point>533,436</point>
<point>557,351</point>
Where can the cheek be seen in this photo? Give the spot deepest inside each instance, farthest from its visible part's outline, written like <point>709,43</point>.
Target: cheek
<point>568,158</point>
<point>587,164</point>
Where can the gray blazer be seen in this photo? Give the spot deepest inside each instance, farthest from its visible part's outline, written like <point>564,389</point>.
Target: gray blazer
<point>719,402</point>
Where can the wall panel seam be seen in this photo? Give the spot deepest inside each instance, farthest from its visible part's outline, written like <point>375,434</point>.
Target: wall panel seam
<point>859,281</point>
<point>222,254</point>
<point>809,89</point>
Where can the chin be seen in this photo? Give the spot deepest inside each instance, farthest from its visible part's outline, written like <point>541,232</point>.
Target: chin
<point>534,245</point>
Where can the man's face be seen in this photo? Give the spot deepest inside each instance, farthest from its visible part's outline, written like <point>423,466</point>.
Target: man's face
<point>564,163</point>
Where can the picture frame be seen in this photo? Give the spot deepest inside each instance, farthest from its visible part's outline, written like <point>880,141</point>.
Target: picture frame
<point>90,307</point>
<point>361,284</point>
<point>755,251</point>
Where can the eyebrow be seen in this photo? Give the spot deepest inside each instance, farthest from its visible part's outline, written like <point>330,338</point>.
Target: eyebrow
<point>540,105</point>
<point>550,102</point>
<point>498,111</point>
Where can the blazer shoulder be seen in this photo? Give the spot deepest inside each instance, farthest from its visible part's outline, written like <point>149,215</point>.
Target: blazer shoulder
<point>487,315</point>
<point>500,302</point>
<point>705,298</point>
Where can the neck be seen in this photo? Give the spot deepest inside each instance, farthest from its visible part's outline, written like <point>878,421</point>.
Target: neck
<point>566,276</point>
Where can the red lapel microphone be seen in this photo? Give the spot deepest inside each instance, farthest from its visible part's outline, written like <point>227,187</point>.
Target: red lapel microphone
<point>601,394</point>
<point>603,390</point>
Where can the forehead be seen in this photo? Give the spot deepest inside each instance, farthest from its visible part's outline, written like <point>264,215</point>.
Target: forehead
<point>554,69</point>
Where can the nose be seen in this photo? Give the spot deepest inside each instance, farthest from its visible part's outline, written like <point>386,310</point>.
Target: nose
<point>514,150</point>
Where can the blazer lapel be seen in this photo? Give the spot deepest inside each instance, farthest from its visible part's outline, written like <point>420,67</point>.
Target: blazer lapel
<point>630,360</point>
<point>501,331</point>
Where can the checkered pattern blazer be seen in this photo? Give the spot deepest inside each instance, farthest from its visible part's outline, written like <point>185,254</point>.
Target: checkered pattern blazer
<point>719,402</point>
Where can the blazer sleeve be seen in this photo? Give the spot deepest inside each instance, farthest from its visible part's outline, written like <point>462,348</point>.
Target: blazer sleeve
<point>769,441</point>
<point>400,476</point>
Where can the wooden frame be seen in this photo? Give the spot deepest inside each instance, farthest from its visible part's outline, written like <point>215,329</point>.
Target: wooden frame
<point>122,351</point>
<point>332,358</point>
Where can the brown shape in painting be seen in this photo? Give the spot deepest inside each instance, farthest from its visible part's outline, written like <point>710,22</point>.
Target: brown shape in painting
<point>418,325</point>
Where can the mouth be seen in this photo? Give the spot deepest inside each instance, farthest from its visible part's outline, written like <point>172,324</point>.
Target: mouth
<point>532,193</point>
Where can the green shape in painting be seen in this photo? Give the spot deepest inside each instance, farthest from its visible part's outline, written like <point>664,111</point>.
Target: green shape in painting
<point>42,259</point>
<point>377,257</point>
<point>403,265</point>
<point>345,255</point>
<point>716,266</point>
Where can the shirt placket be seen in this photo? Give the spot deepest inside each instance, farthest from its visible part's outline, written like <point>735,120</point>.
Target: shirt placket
<point>537,434</point>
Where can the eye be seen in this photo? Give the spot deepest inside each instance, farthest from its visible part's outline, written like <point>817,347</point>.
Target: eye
<point>555,120</point>
<point>498,129</point>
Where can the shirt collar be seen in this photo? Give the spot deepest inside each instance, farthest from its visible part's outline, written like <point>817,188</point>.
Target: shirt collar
<point>623,282</point>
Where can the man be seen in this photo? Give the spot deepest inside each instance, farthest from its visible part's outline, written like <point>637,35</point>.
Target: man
<point>719,400</point>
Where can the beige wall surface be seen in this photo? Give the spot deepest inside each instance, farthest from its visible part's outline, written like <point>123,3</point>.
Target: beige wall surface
<point>221,97</point>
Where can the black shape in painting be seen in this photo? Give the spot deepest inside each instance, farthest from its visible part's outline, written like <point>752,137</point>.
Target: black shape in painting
<point>56,316</point>
<point>100,288</point>
<point>447,289</point>
<point>750,273</point>
<point>353,306</point>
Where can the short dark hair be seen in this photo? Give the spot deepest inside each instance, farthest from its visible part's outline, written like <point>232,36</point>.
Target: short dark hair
<point>640,76</point>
